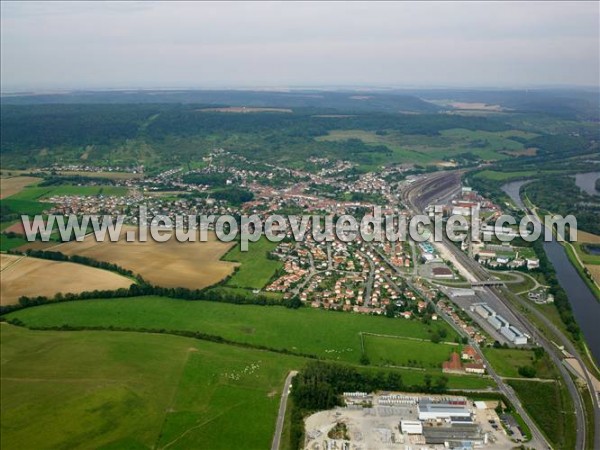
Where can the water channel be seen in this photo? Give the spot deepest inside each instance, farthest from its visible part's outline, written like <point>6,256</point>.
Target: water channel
<point>586,308</point>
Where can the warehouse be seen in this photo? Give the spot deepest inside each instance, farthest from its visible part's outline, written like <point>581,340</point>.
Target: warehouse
<point>520,338</point>
<point>454,434</point>
<point>508,334</point>
<point>433,411</point>
<point>411,427</point>
<point>494,322</point>
<point>479,309</point>
<point>504,323</point>
<point>497,322</point>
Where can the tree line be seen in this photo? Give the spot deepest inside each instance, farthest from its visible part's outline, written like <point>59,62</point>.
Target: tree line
<point>86,261</point>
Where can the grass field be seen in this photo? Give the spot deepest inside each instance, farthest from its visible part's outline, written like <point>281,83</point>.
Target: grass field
<point>332,335</point>
<point>423,149</point>
<point>25,276</point>
<point>192,265</point>
<point>136,391</point>
<point>550,407</point>
<point>107,175</point>
<point>329,335</point>
<point>586,238</point>
<point>504,176</point>
<point>28,207</point>
<point>392,351</point>
<point>8,243</point>
<point>255,268</point>
<point>507,362</point>
<point>31,193</point>
<point>494,175</point>
<point>401,151</point>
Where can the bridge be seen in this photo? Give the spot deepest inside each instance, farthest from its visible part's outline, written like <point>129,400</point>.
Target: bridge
<point>491,283</point>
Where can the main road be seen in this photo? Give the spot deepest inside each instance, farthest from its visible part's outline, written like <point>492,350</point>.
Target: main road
<point>433,188</point>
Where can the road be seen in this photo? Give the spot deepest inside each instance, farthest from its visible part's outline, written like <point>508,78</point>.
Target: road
<point>428,190</point>
<point>370,278</point>
<point>282,407</point>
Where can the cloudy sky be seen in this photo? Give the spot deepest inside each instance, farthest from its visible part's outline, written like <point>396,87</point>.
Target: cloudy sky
<point>57,45</point>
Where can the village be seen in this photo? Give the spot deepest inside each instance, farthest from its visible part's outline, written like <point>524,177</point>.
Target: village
<point>398,279</point>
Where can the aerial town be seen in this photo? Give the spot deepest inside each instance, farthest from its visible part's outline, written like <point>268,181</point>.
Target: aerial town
<point>408,280</point>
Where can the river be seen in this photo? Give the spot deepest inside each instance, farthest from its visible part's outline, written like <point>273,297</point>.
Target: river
<point>587,182</point>
<point>586,308</point>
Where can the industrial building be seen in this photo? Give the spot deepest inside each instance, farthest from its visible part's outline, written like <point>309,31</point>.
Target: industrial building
<point>520,338</point>
<point>484,310</point>
<point>454,434</point>
<point>499,323</point>
<point>434,411</point>
<point>411,427</point>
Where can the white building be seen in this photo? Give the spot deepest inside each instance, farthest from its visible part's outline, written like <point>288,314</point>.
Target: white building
<point>411,427</point>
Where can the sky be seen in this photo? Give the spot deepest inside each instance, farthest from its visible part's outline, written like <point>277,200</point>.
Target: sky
<point>123,45</point>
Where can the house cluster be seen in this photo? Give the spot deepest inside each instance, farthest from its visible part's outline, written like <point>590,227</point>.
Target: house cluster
<point>93,204</point>
<point>293,275</point>
<point>450,311</point>
<point>469,361</point>
<point>505,255</point>
<point>136,168</point>
<point>397,253</point>
<point>347,292</point>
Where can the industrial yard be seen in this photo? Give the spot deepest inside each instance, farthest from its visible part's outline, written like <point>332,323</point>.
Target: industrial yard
<point>391,420</point>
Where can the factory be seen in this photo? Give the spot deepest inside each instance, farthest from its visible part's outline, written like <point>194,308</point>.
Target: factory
<point>443,410</point>
<point>453,435</point>
<point>447,423</point>
<point>408,421</point>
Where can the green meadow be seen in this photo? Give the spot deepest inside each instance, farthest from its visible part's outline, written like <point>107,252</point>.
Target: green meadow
<point>8,243</point>
<point>114,390</point>
<point>424,149</point>
<point>550,406</point>
<point>256,268</point>
<point>391,351</point>
<point>506,362</point>
<point>327,334</point>
<point>32,193</point>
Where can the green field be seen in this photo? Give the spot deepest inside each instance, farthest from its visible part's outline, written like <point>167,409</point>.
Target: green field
<point>494,175</point>
<point>549,405</point>
<point>28,200</point>
<point>328,334</point>
<point>28,207</point>
<point>136,391</point>
<point>256,268</point>
<point>392,351</point>
<point>398,144</point>
<point>32,193</point>
<point>8,243</point>
<point>423,149</point>
<point>504,176</point>
<point>507,362</point>
<point>586,257</point>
